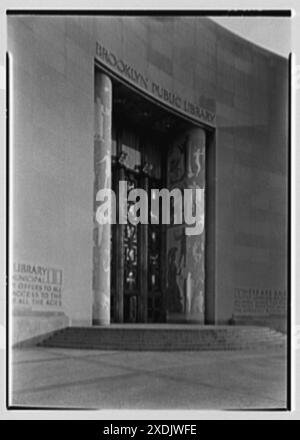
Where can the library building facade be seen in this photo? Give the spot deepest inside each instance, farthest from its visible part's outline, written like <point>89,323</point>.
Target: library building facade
<point>161,104</point>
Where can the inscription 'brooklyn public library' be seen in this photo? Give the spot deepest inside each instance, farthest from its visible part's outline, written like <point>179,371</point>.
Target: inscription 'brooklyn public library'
<point>151,87</point>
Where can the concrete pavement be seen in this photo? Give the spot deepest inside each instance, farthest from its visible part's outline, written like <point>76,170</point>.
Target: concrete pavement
<point>67,378</point>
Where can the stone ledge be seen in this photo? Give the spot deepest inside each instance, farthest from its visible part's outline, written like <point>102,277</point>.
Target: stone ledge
<point>276,322</point>
<point>30,329</point>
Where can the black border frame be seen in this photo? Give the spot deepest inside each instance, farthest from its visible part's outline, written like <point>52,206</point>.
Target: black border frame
<point>282,13</point>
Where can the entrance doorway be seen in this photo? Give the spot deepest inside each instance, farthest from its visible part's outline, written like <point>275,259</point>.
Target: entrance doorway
<point>157,272</point>
<point>137,250</point>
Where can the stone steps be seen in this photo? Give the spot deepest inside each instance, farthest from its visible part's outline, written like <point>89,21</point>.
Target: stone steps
<point>168,337</point>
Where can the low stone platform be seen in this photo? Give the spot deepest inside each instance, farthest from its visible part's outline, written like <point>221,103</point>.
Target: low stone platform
<point>166,337</point>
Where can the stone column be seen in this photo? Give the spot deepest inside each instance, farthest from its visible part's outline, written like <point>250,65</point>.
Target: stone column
<point>102,169</point>
<point>195,244</point>
<point>186,254</point>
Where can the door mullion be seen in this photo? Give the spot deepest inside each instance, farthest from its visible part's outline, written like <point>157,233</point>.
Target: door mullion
<point>143,262</point>
<point>119,252</point>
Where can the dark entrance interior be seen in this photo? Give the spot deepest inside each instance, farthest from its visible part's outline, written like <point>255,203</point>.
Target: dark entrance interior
<point>141,134</point>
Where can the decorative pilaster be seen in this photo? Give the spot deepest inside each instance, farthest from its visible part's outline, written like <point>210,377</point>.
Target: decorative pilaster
<point>186,254</point>
<point>102,169</point>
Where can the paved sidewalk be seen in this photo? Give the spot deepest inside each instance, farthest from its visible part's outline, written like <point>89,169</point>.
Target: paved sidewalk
<point>68,378</point>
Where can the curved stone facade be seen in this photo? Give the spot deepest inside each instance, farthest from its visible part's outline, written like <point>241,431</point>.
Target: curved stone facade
<point>232,91</point>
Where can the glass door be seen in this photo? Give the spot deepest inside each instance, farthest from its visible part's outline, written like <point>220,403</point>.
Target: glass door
<point>136,263</point>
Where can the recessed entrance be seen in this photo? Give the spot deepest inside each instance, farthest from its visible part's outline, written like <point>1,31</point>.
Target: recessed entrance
<point>157,272</point>
<point>140,143</point>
